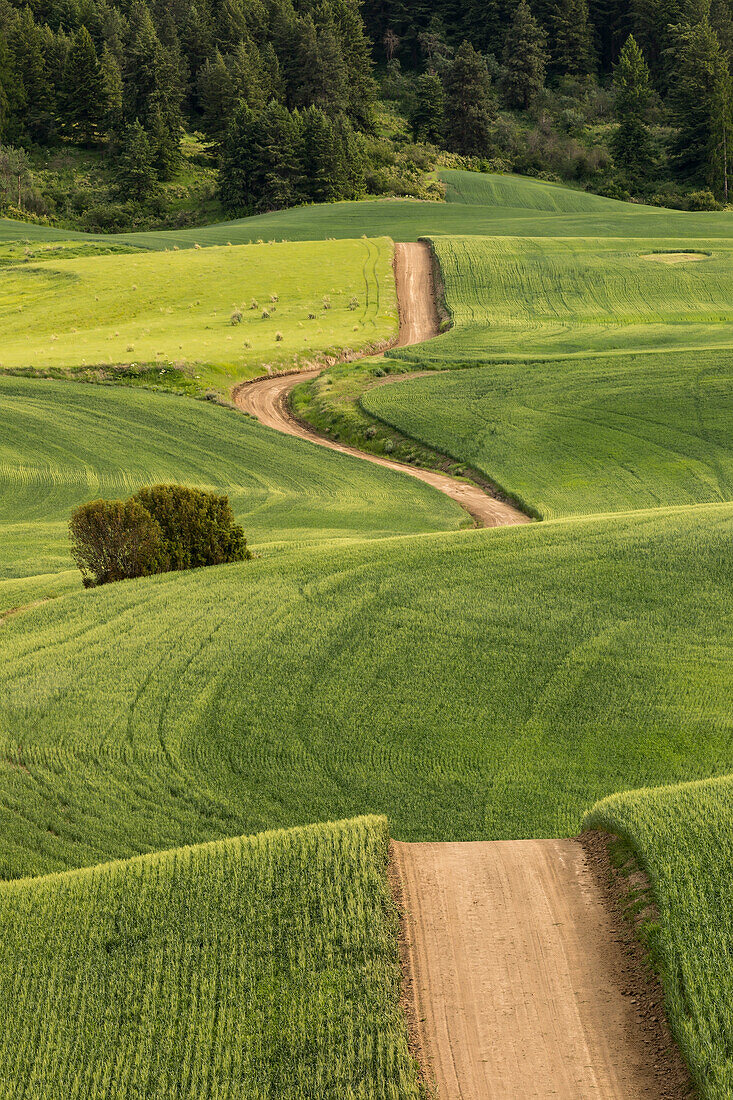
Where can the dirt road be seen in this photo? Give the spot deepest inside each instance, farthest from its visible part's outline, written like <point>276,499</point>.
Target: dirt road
<point>516,975</point>
<point>268,399</point>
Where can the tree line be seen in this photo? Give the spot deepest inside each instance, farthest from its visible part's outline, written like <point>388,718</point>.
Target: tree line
<point>285,92</point>
<point>676,56</point>
<point>129,75</point>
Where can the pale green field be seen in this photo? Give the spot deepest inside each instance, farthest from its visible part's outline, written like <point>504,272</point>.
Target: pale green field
<point>176,308</point>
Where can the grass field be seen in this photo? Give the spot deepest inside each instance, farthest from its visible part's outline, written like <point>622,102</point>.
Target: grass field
<point>251,968</point>
<point>373,658</point>
<point>529,298</point>
<point>63,443</point>
<point>583,435</point>
<point>472,685</point>
<point>480,205</point>
<point>683,837</point>
<point>176,308</point>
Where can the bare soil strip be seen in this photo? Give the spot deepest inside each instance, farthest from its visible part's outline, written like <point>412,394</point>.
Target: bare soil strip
<point>518,977</point>
<point>267,399</point>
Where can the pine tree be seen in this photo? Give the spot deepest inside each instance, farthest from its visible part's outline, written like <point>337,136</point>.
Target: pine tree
<point>152,89</point>
<point>525,59</point>
<point>631,143</point>
<point>82,99</point>
<point>135,173</point>
<point>570,38</point>
<point>35,87</point>
<point>112,89</point>
<point>240,182</point>
<point>323,157</point>
<point>9,91</point>
<point>700,100</point>
<point>470,107</point>
<point>427,117</point>
<point>216,95</point>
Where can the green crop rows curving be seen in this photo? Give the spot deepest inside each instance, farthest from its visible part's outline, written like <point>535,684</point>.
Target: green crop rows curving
<point>474,685</point>
<point>373,659</point>
<point>582,435</point>
<point>62,444</point>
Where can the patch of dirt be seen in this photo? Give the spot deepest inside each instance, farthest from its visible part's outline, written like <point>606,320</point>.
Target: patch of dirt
<point>519,977</point>
<point>267,399</point>
<point>675,257</point>
<point>13,611</point>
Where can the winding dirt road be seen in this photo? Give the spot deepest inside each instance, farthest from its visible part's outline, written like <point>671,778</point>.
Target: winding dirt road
<point>516,976</point>
<point>268,399</point>
<point>512,971</point>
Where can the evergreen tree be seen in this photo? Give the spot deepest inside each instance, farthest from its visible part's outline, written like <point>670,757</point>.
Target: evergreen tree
<point>152,89</point>
<point>632,143</point>
<point>240,183</point>
<point>323,157</point>
<point>8,90</point>
<point>525,59</point>
<point>82,100</point>
<point>135,173</point>
<point>35,87</point>
<point>570,37</point>
<point>470,107</point>
<point>216,95</point>
<point>701,104</point>
<point>112,89</point>
<point>427,117</point>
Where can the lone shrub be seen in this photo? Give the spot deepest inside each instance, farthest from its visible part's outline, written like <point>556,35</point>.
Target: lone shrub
<point>112,540</point>
<point>236,317</point>
<point>197,527</point>
<point>161,528</point>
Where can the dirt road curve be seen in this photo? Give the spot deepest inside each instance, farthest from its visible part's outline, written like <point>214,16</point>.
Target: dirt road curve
<point>515,975</point>
<point>268,399</point>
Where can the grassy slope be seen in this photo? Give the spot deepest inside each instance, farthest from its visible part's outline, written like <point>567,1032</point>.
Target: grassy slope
<point>581,436</point>
<point>250,968</point>
<point>61,444</point>
<point>683,837</point>
<point>177,307</point>
<point>530,298</point>
<point>475,685</point>
<point>539,209</point>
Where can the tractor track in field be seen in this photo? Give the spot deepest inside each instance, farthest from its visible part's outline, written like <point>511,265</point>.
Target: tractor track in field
<point>267,399</point>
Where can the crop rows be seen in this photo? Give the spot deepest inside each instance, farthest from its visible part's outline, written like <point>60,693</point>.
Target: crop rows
<point>581,436</point>
<point>683,837</point>
<point>257,967</point>
<point>482,684</point>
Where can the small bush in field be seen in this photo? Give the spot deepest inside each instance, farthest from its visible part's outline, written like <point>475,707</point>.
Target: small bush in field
<point>236,317</point>
<point>113,540</point>
<point>160,529</point>
<point>354,303</point>
<point>278,336</point>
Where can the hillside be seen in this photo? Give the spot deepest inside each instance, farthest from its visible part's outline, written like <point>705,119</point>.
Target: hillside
<point>378,656</point>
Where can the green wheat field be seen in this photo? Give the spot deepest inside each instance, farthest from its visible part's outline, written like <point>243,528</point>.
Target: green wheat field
<point>200,772</point>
